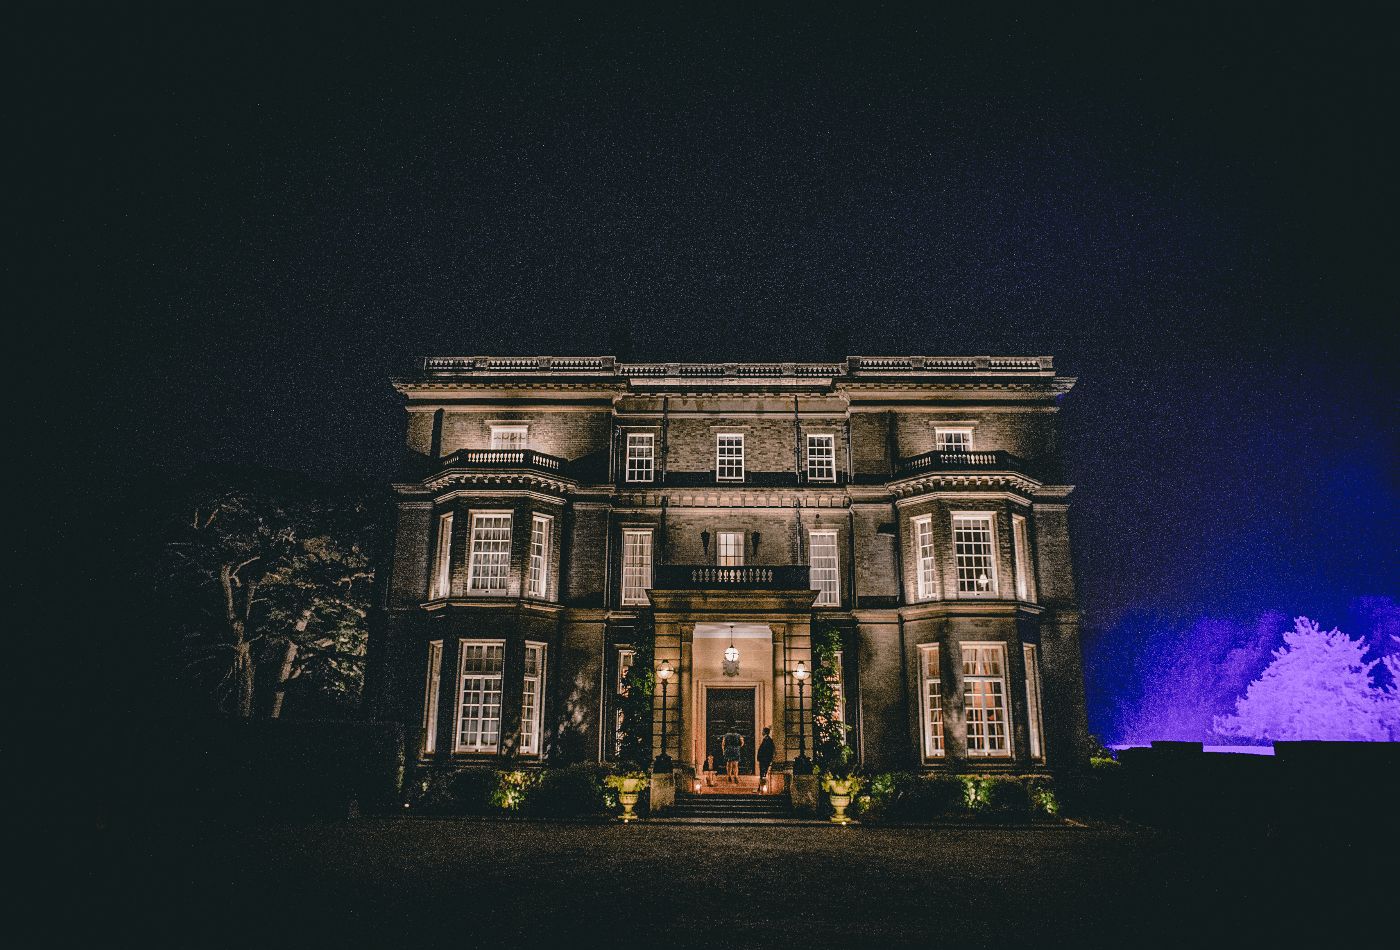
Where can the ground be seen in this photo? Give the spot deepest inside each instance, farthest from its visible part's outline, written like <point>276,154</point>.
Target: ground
<point>427,881</point>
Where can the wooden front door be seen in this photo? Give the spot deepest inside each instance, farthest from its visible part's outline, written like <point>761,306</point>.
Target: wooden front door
<point>730,709</point>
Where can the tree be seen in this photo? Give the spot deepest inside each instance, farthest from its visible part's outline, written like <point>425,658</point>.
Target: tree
<point>267,578</point>
<point>1318,686</point>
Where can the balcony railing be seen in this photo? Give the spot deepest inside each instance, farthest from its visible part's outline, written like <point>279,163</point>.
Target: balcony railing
<point>961,461</point>
<point>503,458</point>
<point>675,479</point>
<point>747,577</point>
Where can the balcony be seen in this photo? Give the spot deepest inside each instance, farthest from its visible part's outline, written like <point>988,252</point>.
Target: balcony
<point>747,577</point>
<point>961,462</point>
<point>501,459</point>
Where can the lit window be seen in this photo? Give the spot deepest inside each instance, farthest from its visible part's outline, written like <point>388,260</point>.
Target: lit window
<point>539,556</point>
<point>532,701</point>
<point>731,549</point>
<point>826,572</point>
<point>430,697</point>
<point>1025,577</point>
<point>510,437</point>
<point>641,456</point>
<point>479,722</point>
<point>821,458</point>
<point>984,699</point>
<point>1034,717</point>
<point>972,546</point>
<point>923,550</point>
<point>442,558</point>
<point>636,565</point>
<point>729,457</point>
<point>489,568</point>
<point>953,440</point>
<point>931,700</point>
<point>625,659</point>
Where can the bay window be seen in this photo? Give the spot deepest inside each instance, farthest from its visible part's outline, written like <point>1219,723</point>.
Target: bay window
<point>479,716</point>
<point>984,699</point>
<point>973,540</point>
<point>489,567</point>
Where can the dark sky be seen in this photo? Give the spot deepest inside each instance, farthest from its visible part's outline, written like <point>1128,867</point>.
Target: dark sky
<point>271,211</point>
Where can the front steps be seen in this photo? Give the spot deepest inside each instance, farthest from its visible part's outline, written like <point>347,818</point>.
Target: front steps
<point>730,809</point>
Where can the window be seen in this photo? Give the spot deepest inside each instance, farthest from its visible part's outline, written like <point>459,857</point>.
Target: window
<point>479,723</point>
<point>636,565</point>
<point>731,549</point>
<point>923,550</point>
<point>835,678</point>
<point>984,699</point>
<point>1034,718</point>
<point>539,556</point>
<point>489,568</point>
<point>442,558</point>
<point>625,659</point>
<point>729,457</point>
<point>953,440</point>
<point>931,699</point>
<point>641,456</point>
<point>430,697</point>
<point>972,545</point>
<point>821,458</point>
<point>1025,578</point>
<point>532,700</point>
<point>826,573</point>
<point>510,437</point>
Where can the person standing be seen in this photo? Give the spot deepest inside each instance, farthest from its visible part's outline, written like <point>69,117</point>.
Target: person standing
<point>730,745</point>
<point>765,758</point>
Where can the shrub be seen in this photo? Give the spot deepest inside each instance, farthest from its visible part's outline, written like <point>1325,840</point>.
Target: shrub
<point>930,796</point>
<point>513,789</point>
<point>570,792</point>
<point>999,796</point>
<point>471,791</point>
<point>1042,796</point>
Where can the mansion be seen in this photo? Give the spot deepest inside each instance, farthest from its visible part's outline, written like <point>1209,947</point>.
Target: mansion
<point>553,510</point>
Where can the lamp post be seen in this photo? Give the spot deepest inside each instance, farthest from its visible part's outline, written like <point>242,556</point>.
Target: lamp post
<point>801,765</point>
<point>663,761</point>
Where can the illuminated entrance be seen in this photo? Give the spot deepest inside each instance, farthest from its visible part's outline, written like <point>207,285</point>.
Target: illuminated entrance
<point>731,709</point>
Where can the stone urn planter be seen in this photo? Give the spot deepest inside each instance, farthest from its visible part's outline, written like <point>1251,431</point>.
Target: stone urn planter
<point>629,790</point>
<point>840,791</point>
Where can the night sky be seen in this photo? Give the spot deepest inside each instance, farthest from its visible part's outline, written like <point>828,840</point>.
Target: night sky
<point>270,212</point>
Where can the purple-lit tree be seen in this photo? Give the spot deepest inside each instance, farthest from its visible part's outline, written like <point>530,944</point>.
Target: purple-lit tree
<point>1318,686</point>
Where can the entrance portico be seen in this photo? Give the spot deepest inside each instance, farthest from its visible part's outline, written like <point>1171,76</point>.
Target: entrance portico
<point>771,624</point>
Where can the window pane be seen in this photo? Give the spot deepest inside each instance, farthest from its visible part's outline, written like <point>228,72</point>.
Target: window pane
<point>1034,716</point>
<point>430,697</point>
<point>825,568</point>
<point>1020,539</point>
<point>954,440</point>
<point>509,437</point>
<point>729,457</point>
<point>641,457</point>
<point>490,555</point>
<point>442,566</point>
<point>933,702</point>
<point>636,566</point>
<point>972,544</point>
<point>539,557</point>
<point>821,458</point>
<point>731,549</point>
<point>531,708</point>
<point>984,700</point>
<point>479,724</point>
<point>923,543</point>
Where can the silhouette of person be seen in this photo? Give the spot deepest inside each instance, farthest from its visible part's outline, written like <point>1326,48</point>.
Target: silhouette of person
<point>765,757</point>
<point>730,745</point>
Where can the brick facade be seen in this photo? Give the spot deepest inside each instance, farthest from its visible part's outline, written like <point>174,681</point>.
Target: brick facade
<point>882,415</point>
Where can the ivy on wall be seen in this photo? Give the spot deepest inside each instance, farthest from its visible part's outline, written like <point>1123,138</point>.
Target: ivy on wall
<point>634,733</point>
<point>828,729</point>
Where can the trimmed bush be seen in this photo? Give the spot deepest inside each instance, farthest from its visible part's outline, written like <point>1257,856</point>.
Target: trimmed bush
<point>929,797</point>
<point>574,791</point>
<point>1001,797</point>
<point>473,791</point>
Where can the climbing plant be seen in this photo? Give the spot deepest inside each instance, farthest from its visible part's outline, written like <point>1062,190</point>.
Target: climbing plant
<point>828,729</point>
<point>634,733</point>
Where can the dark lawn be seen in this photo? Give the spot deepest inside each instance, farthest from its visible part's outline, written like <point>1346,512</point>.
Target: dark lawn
<point>442,882</point>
